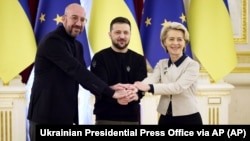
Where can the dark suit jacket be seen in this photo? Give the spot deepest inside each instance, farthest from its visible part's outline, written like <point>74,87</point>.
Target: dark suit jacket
<point>59,69</point>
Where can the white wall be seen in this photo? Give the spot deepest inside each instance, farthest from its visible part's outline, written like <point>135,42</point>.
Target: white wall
<point>239,111</point>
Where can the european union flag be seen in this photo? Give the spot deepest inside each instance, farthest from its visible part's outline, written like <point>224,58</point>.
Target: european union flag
<point>158,13</point>
<point>49,16</point>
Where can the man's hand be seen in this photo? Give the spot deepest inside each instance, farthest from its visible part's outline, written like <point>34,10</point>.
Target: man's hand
<point>120,94</point>
<point>118,86</point>
<point>130,97</point>
<point>129,89</point>
<point>123,101</point>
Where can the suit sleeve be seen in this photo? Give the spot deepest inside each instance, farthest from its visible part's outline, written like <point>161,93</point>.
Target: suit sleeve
<point>58,52</point>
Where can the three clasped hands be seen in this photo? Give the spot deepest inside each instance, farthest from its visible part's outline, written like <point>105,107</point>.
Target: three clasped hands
<point>131,91</point>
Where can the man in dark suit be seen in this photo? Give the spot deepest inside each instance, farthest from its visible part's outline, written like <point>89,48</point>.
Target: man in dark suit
<point>59,69</point>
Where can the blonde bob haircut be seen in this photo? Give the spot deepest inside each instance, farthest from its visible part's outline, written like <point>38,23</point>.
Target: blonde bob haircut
<point>173,26</point>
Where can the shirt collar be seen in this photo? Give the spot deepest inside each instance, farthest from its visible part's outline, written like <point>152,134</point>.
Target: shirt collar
<point>179,61</point>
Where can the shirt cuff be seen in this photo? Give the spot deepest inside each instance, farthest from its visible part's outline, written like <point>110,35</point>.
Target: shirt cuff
<point>151,89</point>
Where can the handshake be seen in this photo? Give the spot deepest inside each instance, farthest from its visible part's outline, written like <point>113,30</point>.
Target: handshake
<point>125,93</point>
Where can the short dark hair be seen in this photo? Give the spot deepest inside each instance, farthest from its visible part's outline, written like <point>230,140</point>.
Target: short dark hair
<point>120,20</point>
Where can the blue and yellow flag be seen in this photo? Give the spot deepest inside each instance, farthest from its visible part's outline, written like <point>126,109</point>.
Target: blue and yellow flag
<point>17,45</point>
<point>49,16</point>
<point>157,13</point>
<point>211,36</point>
<point>102,13</point>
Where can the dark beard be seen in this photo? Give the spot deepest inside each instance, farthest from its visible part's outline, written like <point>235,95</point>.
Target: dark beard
<point>117,46</point>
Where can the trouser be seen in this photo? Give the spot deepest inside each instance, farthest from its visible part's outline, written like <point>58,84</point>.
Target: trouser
<point>169,119</point>
<point>32,130</point>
